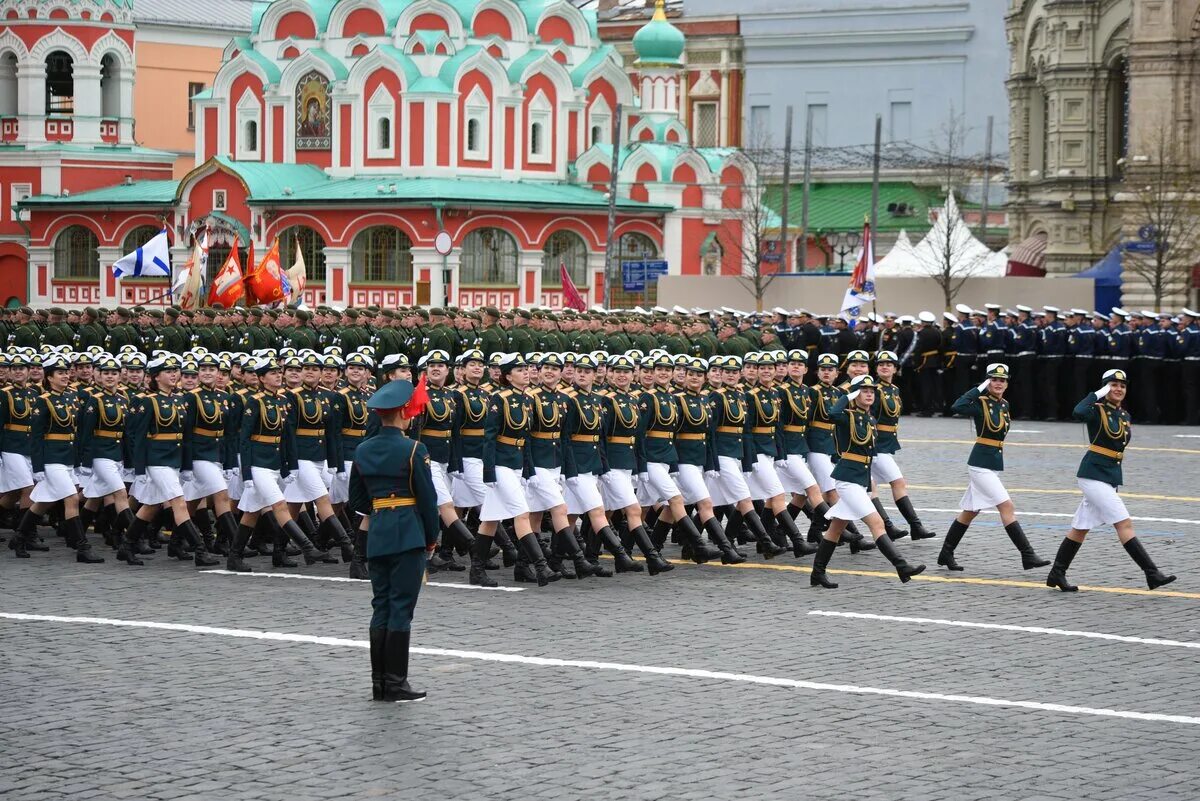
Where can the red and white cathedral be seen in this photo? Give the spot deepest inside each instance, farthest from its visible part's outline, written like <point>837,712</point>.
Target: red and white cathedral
<point>411,150</point>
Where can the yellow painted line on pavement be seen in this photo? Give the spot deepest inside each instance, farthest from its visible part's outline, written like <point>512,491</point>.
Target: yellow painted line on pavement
<point>982,582</point>
<point>1041,491</point>
<point>1007,442</point>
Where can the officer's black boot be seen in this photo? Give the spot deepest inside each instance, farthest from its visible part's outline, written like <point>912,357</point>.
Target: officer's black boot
<point>1062,561</point>
<point>204,525</point>
<point>446,552</point>
<point>654,560</point>
<point>903,569</point>
<point>581,566</point>
<point>953,537</point>
<point>1029,559</point>
<point>128,552</point>
<point>481,550</point>
<point>889,527</point>
<point>766,546</point>
<point>121,523</point>
<point>234,561</point>
<point>533,552</point>
<point>311,553</point>
<point>729,556</point>
<point>83,549</point>
<point>395,677</point>
<point>507,549</point>
<point>1154,577</point>
<point>589,542</point>
<point>227,527</point>
<point>176,545</point>
<point>358,565</point>
<point>919,532</point>
<point>788,526</point>
<point>700,552</point>
<point>818,523</point>
<point>624,563</point>
<point>378,639</point>
<point>279,539</point>
<point>201,558</point>
<point>817,578</point>
<point>331,531</point>
<point>621,526</point>
<point>662,529</point>
<point>86,518</point>
<point>25,531</point>
<point>774,530</point>
<point>857,542</point>
<point>263,538</point>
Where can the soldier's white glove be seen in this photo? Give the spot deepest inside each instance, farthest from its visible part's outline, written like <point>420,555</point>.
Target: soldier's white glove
<point>712,475</point>
<point>39,477</point>
<point>84,472</point>
<point>781,463</point>
<point>491,484</point>
<point>230,476</point>
<point>983,387</point>
<point>643,477</point>
<point>289,479</point>
<point>186,476</point>
<point>853,395</point>
<point>1100,393</point>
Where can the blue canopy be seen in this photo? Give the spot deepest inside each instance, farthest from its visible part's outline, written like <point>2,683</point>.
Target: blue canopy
<point>1107,275</point>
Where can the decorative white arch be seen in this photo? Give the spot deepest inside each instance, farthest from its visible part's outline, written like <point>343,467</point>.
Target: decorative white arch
<point>489,66</point>
<point>300,66</point>
<point>111,43</point>
<point>590,158</point>
<point>442,9</point>
<point>414,40</point>
<point>277,11</point>
<point>375,60</point>
<point>284,44</point>
<point>234,68</point>
<point>613,72</point>
<point>574,18</point>
<point>344,8</point>
<point>557,74</point>
<point>704,174</point>
<point>10,42</point>
<point>516,19</point>
<point>58,39</point>
<point>636,160</point>
<point>495,41</point>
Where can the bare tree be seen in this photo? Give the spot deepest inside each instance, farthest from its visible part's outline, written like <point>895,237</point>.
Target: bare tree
<point>1166,211</point>
<point>746,230</point>
<point>949,254</point>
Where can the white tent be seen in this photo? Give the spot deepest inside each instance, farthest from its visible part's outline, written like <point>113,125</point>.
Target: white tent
<point>950,236</point>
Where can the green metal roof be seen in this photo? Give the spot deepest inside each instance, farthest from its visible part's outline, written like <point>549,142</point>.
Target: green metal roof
<point>339,69</point>
<point>412,73</point>
<point>580,73</point>
<point>138,193</point>
<point>270,180</point>
<point>450,68</point>
<point>842,206</point>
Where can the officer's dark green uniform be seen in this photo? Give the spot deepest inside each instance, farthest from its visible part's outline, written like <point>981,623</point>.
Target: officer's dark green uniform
<point>174,337</point>
<point>493,339</point>
<point>391,481</point>
<point>520,338</point>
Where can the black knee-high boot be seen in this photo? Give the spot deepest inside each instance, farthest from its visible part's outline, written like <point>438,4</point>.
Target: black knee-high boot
<point>818,523</point>
<point>662,530</point>
<point>889,527</point>
<point>817,578</point>
<point>507,548</point>
<point>312,554</point>
<point>857,542</point>
<point>331,530</point>
<point>691,536</point>
<point>1154,577</point>
<point>395,678</point>
<point>953,537</point>
<point>237,547</point>
<point>654,560</point>
<point>378,640</point>
<point>621,559</point>
<point>919,532</point>
<point>358,566</point>
<point>1062,562</point>
<point>481,551</point>
<point>83,549</point>
<point>263,538</point>
<point>128,552</point>
<point>903,569</point>
<point>1029,558</point>
<point>192,535</point>
<point>533,551</point>
<point>766,546</point>
<point>729,554</point>
<point>788,526</point>
<point>25,531</point>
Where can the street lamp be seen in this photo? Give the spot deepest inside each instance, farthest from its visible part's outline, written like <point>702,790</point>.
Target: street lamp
<point>842,244</point>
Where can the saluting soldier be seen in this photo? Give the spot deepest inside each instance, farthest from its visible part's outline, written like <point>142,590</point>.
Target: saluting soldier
<point>391,484</point>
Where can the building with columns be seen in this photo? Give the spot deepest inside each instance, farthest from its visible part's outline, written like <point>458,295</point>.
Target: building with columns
<point>1093,89</point>
<point>420,150</point>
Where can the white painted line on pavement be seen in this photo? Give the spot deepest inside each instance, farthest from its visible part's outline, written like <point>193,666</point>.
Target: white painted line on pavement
<point>348,580</point>
<point>1068,515</point>
<point>1092,635</point>
<point>1187,436</point>
<point>1025,431</point>
<point>745,678</point>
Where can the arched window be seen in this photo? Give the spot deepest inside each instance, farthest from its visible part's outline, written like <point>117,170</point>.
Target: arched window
<point>8,85</point>
<point>711,255</point>
<point>60,83</point>
<point>250,136</point>
<point>632,247</point>
<point>637,247</point>
<point>597,134</point>
<point>564,247</point>
<point>537,140</point>
<point>76,254</point>
<point>110,87</point>
<point>472,136</point>
<point>381,254</point>
<point>489,256</point>
<point>312,250</point>
<point>384,134</point>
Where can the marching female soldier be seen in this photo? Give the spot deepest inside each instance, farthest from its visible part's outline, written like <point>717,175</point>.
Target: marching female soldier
<point>350,408</point>
<point>856,437</point>
<point>796,409</point>
<point>858,362</point>
<point>52,453</point>
<point>101,448</point>
<point>1099,476</point>
<point>884,470</point>
<point>18,409</point>
<point>985,404</point>
<point>207,456</point>
<point>156,437</point>
<point>619,463</point>
<point>505,462</point>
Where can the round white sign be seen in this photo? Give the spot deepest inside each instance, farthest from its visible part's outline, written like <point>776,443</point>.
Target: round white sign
<point>442,243</point>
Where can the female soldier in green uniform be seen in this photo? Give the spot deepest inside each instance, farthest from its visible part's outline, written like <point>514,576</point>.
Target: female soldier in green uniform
<point>391,482</point>
<point>1099,476</point>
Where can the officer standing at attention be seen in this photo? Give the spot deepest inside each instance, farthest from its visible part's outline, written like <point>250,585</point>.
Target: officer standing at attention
<point>391,481</point>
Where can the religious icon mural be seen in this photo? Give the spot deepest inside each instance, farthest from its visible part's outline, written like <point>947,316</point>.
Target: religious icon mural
<point>313,122</point>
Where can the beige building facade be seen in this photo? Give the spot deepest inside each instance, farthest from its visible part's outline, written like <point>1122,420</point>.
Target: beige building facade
<point>1095,88</point>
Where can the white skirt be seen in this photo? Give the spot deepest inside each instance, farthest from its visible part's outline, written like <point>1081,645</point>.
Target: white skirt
<point>208,478</point>
<point>884,469</point>
<point>441,482</point>
<point>506,499</point>
<point>821,465</point>
<point>795,475</point>
<point>59,483</point>
<point>690,480</point>
<point>854,503</point>
<point>157,485</point>
<point>763,480</point>
<point>658,484</point>
<point>583,494</point>
<point>468,488</point>
<point>16,471</point>
<point>984,490</point>
<point>716,491</point>
<point>616,487</point>
<point>339,487</point>
<point>733,480</point>
<point>105,479</point>
<point>544,490</point>
<point>262,491</point>
<point>309,484</point>
<point>1101,506</point>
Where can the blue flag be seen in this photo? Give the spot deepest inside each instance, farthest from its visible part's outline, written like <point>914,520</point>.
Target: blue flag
<point>152,258</point>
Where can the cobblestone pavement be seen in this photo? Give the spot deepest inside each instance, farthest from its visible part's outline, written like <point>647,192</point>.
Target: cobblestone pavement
<point>94,710</point>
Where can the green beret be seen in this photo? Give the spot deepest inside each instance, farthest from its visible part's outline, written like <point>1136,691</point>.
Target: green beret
<point>351,313</point>
<point>303,314</point>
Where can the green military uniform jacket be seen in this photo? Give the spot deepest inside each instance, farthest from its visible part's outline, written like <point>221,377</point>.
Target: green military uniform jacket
<point>265,436</point>
<point>820,426</point>
<point>89,335</point>
<point>992,419</point>
<point>1109,432</point>
<point>156,431</point>
<point>855,435</point>
<point>175,338</point>
<point>506,435</point>
<point>204,426</point>
<point>520,339</point>
<point>391,481</point>
<point>549,408</point>
<point>312,422</point>
<point>119,336</point>
<point>58,334</point>
<point>350,411</point>
<point>582,430</point>
<point>470,419</point>
<point>659,412</point>
<point>886,410</point>
<point>53,440</point>
<point>622,430</point>
<point>101,428</point>
<point>795,412</point>
<point>18,412</point>
<point>26,336</point>
<point>727,417</point>
<point>762,425</point>
<point>437,425</point>
<point>301,338</point>
<point>692,438</point>
<point>616,343</point>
